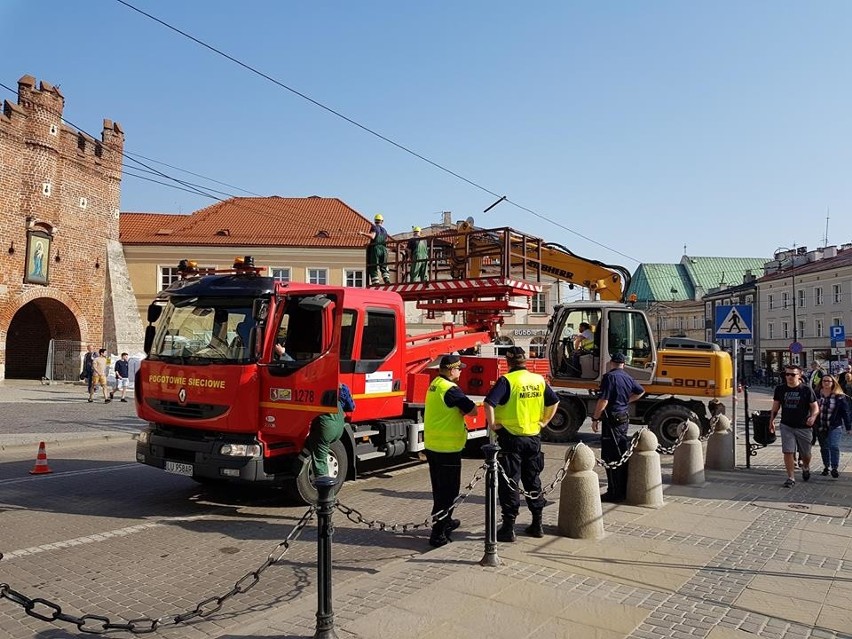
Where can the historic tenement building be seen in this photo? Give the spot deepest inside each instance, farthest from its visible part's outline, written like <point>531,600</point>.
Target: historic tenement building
<point>62,270</point>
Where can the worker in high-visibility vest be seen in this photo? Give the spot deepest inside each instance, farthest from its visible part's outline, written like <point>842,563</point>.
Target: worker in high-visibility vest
<point>517,408</point>
<point>444,437</point>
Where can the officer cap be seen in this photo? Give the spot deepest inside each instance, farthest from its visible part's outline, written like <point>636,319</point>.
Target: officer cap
<point>451,361</point>
<point>515,353</point>
<point>618,358</point>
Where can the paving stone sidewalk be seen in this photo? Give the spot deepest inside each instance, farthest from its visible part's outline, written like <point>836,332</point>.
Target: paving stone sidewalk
<point>736,558</point>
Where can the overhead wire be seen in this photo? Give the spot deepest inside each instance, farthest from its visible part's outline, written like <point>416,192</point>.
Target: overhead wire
<point>363,127</point>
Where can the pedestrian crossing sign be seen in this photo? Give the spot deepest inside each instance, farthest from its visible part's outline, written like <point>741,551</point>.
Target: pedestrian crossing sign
<point>734,322</point>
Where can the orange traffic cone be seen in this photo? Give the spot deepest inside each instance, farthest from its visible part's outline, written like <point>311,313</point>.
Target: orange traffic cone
<point>41,467</point>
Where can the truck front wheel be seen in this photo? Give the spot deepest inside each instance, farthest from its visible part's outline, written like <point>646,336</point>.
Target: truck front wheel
<point>665,422</point>
<point>338,463</point>
<point>565,423</point>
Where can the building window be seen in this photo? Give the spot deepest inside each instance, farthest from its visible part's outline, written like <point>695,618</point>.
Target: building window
<point>280,274</point>
<point>801,331</point>
<point>785,300</point>
<point>168,275</point>
<point>537,347</point>
<point>785,329</point>
<point>818,328</point>
<point>317,276</point>
<point>354,279</point>
<point>836,321</point>
<point>801,295</point>
<point>818,301</point>
<point>538,303</point>
<point>837,293</point>
<point>502,344</point>
<point>696,322</point>
<point>771,300</point>
<point>770,330</point>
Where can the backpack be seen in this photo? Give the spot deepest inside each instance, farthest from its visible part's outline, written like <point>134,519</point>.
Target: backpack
<point>344,398</point>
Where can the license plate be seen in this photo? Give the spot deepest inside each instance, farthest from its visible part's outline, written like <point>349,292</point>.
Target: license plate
<point>179,469</point>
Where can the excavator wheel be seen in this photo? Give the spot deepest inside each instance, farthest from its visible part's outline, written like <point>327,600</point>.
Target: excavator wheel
<point>666,420</point>
<point>565,424</point>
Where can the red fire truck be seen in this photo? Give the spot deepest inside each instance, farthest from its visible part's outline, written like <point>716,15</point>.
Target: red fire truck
<point>223,405</point>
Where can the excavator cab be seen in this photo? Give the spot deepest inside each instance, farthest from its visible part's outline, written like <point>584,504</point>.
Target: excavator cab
<point>582,337</point>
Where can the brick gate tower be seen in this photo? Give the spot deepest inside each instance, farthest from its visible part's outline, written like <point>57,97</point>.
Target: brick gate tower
<point>62,272</point>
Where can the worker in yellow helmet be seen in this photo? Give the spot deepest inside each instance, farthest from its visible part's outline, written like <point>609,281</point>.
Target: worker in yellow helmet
<point>417,252</point>
<point>377,251</point>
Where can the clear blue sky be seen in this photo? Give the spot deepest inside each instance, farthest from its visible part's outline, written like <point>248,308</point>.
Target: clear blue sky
<point>643,126</point>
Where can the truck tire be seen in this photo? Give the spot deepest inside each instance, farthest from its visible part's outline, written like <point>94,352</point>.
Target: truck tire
<point>338,464</point>
<point>564,425</point>
<point>666,420</point>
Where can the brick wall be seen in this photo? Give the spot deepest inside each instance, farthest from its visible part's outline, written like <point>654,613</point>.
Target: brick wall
<point>68,186</point>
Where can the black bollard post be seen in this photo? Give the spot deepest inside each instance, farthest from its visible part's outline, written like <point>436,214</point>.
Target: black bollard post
<point>490,558</point>
<point>325,506</point>
<point>747,424</point>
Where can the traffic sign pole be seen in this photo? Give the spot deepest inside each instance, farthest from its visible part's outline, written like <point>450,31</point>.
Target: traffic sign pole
<point>734,403</point>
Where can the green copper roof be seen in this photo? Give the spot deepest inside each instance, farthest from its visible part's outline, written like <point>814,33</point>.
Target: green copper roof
<point>660,282</point>
<point>693,278</point>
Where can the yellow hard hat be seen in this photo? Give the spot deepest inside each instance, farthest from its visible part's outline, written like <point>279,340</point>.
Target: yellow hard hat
<point>416,229</point>
<point>379,218</point>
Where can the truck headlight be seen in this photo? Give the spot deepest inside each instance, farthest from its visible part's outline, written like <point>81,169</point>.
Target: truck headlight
<point>144,436</point>
<point>240,450</point>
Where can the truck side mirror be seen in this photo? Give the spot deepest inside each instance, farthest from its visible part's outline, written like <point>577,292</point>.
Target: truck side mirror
<point>260,310</point>
<point>149,339</point>
<point>154,312</point>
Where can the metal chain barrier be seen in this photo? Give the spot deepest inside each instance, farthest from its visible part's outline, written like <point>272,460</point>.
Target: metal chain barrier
<point>535,494</point>
<point>680,435</point>
<point>97,625</point>
<point>634,442</point>
<point>376,524</point>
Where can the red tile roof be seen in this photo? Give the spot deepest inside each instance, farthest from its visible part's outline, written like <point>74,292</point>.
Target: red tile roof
<point>252,221</point>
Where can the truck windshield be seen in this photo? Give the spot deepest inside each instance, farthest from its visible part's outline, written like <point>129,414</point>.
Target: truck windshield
<point>206,330</point>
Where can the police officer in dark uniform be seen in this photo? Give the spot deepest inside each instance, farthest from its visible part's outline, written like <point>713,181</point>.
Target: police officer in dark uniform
<point>444,437</point>
<point>618,390</point>
<point>517,407</point>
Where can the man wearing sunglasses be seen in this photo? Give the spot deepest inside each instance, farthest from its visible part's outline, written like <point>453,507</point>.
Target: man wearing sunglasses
<point>799,410</point>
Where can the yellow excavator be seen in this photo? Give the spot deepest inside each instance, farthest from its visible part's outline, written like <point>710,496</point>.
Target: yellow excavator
<point>483,273</point>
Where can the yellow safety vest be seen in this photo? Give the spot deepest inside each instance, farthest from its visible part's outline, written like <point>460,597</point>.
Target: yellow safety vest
<point>444,428</point>
<point>586,344</point>
<point>522,414</point>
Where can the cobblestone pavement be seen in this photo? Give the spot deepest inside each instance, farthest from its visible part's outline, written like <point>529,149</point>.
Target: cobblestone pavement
<point>735,558</point>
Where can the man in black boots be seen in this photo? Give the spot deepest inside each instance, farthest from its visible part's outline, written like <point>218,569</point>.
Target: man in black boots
<point>444,436</point>
<point>517,408</point>
<point>618,390</point>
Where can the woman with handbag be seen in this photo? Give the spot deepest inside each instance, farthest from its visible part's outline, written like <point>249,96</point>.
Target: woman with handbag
<point>835,410</point>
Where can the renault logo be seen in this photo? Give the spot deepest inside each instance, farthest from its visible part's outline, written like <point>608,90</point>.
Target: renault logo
<point>182,395</point>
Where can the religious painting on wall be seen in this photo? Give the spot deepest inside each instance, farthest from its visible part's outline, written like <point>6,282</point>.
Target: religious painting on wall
<point>38,251</point>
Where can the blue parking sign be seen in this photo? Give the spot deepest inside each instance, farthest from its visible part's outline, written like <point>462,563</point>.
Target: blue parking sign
<point>837,333</point>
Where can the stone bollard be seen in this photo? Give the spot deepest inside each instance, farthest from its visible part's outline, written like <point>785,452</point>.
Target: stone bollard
<point>644,477</point>
<point>580,513</point>
<point>720,445</point>
<point>688,463</point>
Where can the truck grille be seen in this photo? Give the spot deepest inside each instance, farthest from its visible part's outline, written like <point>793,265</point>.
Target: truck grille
<point>186,411</point>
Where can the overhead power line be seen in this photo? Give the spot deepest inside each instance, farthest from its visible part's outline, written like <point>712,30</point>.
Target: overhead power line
<point>373,132</point>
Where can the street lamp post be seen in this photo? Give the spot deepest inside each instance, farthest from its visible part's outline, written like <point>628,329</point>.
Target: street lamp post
<point>792,253</point>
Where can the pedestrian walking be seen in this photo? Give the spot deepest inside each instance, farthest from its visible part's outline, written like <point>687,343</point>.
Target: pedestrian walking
<point>88,371</point>
<point>815,375</point>
<point>799,410</point>
<point>377,251</point>
<point>444,438</point>
<point>99,376</point>
<point>835,410</point>
<point>618,390</point>
<point>517,407</point>
<point>122,374</point>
